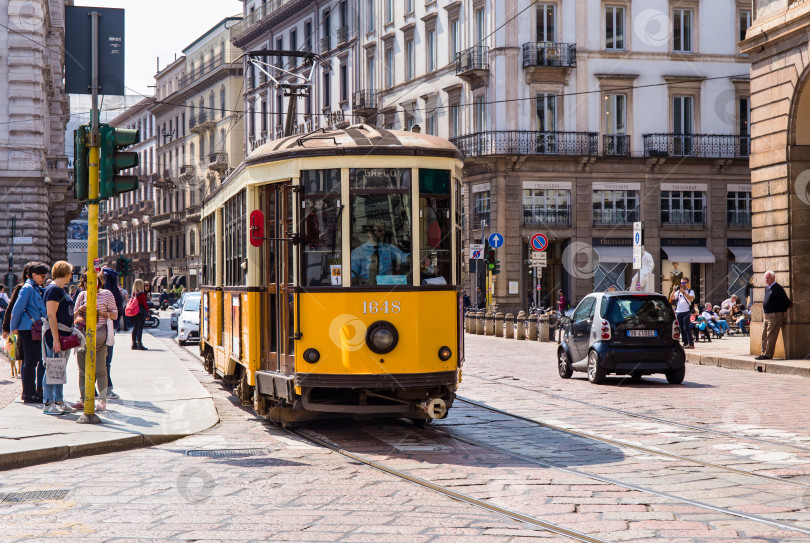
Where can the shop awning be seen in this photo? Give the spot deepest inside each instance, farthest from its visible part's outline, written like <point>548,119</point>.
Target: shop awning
<point>742,254</point>
<point>181,281</point>
<point>698,255</point>
<point>614,255</point>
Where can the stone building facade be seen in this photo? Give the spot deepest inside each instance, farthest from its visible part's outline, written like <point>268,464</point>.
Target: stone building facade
<point>171,131</point>
<point>577,119</point>
<point>127,217</point>
<point>34,179</point>
<point>779,46</point>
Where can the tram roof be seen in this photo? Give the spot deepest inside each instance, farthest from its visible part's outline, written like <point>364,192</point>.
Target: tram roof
<point>359,139</point>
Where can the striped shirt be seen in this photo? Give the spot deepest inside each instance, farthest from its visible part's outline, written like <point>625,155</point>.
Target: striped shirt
<point>105,303</point>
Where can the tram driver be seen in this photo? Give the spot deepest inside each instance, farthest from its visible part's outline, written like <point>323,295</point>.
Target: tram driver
<point>376,257</point>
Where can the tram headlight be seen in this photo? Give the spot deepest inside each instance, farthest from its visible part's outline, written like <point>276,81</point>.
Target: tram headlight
<point>382,337</point>
<point>312,355</point>
<point>445,353</point>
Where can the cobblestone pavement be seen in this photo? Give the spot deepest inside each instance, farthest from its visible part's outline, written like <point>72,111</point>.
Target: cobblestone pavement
<point>289,489</point>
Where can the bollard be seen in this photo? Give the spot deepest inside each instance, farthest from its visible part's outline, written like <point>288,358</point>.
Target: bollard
<point>509,326</point>
<point>532,331</point>
<point>468,326</point>
<point>520,329</point>
<point>489,325</point>
<point>498,324</point>
<point>542,328</point>
<point>479,323</point>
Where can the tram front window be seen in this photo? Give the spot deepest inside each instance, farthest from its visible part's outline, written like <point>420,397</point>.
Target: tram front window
<point>381,226</point>
<point>435,227</point>
<point>321,227</point>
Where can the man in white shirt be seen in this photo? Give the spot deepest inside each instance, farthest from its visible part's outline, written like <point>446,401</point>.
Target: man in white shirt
<point>683,297</point>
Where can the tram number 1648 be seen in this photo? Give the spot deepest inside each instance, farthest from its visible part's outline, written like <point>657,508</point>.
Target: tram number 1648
<point>384,307</point>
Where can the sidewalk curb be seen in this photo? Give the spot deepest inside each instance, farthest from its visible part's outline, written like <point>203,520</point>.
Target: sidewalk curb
<point>22,459</point>
<point>800,368</point>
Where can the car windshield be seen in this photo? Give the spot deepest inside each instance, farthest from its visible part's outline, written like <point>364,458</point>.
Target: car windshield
<point>193,304</point>
<point>637,310</point>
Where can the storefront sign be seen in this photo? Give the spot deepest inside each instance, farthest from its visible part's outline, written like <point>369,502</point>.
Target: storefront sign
<point>694,187</point>
<point>617,186</point>
<point>735,187</point>
<point>480,187</point>
<point>738,242</point>
<point>537,185</point>
<point>612,242</point>
<point>683,242</point>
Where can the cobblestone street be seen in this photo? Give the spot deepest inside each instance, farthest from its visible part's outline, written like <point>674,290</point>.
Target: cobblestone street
<point>719,458</point>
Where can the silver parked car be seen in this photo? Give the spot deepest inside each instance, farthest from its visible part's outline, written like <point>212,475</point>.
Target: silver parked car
<point>177,308</point>
<point>188,323</point>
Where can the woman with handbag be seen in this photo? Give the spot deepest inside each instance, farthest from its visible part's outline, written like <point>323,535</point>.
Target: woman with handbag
<point>60,329</point>
<point>26,323</point>
<point>138,301</point>
<point>18,352</point>
<point>105,309</point>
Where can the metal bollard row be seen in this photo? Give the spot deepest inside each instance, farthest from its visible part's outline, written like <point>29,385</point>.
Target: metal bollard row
<point>520,327</point>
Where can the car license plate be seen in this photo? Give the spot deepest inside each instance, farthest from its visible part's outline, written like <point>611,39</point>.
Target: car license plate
<point>642,333</point>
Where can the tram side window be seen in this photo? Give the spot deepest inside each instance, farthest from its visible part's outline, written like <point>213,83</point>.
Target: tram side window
<point>381,237</point>
<point>235,242</point>
<point>322,210</point>
<point>435,228</point>
<point>209,250</point>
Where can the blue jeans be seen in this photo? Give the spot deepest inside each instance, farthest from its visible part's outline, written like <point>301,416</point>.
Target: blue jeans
<point>723,325</point>
<point>51,393</point>
<point>686,331</point>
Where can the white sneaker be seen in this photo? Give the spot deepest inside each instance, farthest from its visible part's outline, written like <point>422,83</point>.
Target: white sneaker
<point>101,405</point>
<point>53,409</point>
<point>66,407</point>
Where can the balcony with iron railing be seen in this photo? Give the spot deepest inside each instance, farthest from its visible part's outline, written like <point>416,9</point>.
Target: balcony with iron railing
<point>602,217</point>
<point>554,216</point>
<point>694,217</point>
<point>615,145</point>
<point>738,218</point>
<point>473,61</point>
<point>218,161</point>
<point>549,54</point>
<point>525,142</point>
<point>205,68</point>
<point>326,43</point>
<point>342,35</point>
<point>364,101</point>
<point>263,18</point>
<point>697,145</point>
<point>480,215</point>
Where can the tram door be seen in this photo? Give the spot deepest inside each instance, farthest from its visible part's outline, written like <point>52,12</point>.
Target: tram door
<point>278,343</point>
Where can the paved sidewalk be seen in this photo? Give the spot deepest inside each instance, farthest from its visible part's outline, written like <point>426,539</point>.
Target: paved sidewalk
<point>734,352</point>
<point>160,401</point>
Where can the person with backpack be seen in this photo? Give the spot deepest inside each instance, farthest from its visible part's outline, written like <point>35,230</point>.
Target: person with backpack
<point>26,324</point>
<point>18,348</point>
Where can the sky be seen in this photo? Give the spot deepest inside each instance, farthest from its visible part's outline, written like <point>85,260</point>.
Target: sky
<point>162,29</point>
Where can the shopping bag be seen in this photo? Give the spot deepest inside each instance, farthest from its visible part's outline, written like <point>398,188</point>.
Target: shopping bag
<point>56,370</point>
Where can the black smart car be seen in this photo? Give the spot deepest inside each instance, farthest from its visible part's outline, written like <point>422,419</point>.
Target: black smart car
<point>625,333</point>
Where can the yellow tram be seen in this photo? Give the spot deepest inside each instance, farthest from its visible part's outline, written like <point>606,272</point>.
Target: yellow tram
<point>331,273</point>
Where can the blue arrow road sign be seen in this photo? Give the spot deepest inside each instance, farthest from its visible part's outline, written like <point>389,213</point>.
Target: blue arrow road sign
<point>495,240</point>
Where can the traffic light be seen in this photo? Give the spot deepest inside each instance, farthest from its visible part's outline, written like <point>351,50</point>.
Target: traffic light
<point>119,265</point>
<point>497,269</point>
<point>113,159</point>
<point>127,266</point>
<point>81,172</point>
<point>491,260</point>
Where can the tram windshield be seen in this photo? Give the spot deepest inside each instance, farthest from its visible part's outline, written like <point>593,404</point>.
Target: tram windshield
<point>381,226</point>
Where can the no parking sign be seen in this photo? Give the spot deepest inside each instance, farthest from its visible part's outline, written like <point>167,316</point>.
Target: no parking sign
<point>539,242</point>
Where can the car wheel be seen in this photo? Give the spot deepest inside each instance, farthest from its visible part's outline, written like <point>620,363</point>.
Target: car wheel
<point>596,373</point>
<point>675,377</point>
<point>636,376</point>
<point>564,365</point>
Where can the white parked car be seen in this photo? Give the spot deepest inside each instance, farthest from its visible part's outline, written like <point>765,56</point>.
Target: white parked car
<point>188,322</point>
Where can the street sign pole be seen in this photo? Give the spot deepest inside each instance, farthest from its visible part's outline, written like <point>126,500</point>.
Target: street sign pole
<point>89,416</point>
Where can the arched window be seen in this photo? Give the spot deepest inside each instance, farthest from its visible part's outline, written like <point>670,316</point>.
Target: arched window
<point>211,106</point>
<point>191,114</point>
<point>211,142</point>
<point>191,150</point>
<point>191,242</point>
<point>202,148</point>
<point>202,109</point>
<point>222,50</point>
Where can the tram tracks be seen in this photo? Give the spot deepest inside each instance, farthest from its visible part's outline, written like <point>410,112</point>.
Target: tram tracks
<point>550,464</point>
<point>643,417</point>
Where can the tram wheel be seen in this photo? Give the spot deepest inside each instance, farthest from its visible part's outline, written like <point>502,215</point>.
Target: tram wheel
<point>421,423</point>
<point>243,390</point>
<point>208,361</point>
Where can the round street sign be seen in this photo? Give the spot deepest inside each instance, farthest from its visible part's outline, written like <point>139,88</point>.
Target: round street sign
<point>539,242</point>
<point>495,240</point>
